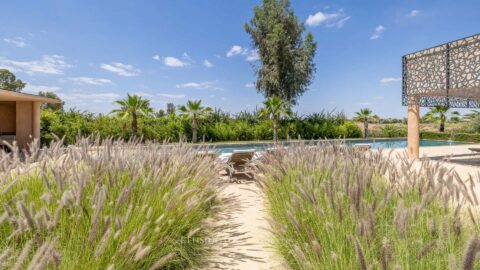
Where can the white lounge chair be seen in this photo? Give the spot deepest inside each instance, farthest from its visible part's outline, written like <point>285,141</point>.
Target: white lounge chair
<point>475,150</point>
<point>362,146</point>
<point>239,163</point>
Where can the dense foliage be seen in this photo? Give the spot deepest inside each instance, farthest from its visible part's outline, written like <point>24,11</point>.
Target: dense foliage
<point>453,136</point>
<point>338,208</point>
<point>8,81</point>
<point>439,114</point>
<point>389,131</point>
<point>285,54</point>
<point>216,126</point>
<point>475,123</point>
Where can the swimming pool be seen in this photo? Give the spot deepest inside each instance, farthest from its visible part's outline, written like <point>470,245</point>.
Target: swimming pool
<point>376,144</point>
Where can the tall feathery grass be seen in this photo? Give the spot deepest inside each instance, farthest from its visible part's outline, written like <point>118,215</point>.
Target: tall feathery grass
<point>338,208</point>
<point>106,205</point>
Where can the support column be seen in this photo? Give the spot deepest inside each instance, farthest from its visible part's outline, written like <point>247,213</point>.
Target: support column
<point>413,128</point>
<point>36,120</point>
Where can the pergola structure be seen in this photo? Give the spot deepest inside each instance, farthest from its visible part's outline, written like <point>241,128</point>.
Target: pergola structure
<point>20,117</point>
<point>448,75</point>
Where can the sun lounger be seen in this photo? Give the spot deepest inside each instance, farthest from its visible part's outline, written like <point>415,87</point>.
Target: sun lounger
<point>476,150</point>
<point>239,163</point>
<point>362,146</point>
<point>210,154</point>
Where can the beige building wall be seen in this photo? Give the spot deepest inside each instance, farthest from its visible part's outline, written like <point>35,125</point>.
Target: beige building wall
<point>27,122</point>
<point>20,116</point>
<point>7,117</point>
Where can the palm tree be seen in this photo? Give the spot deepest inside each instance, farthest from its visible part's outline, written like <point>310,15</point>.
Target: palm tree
<point>274,108</point>
<point>133,106</point>
<point>438,114</point>
<point>195,111</point>
<point>365,115</point>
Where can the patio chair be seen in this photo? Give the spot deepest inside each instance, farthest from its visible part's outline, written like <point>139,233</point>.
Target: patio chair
<point>209,154</point>
<point>239,163</point>
<point>362,146</point>
<point>475,150</point>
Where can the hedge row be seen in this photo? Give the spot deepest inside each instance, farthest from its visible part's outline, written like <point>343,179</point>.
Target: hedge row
<point>461,137</point>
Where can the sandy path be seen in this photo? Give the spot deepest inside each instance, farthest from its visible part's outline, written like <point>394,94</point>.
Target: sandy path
<point>244,243</point>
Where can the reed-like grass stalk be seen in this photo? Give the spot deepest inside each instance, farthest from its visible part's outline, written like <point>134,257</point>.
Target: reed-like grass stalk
<point>367,210</point>
<point>105,204</point>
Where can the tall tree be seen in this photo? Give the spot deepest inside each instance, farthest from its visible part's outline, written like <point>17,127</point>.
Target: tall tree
<point>53,107</point>
<point>365,115</point>
<point>160,114</point>
<point>9,82</point>
<point>170,108</point>
<point>133,106</point>
<point>275,108</point>
<point>195,111</point>
<point>285,54</point>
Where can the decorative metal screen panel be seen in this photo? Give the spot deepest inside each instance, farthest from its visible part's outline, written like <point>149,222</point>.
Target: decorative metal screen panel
<point>448,74</point>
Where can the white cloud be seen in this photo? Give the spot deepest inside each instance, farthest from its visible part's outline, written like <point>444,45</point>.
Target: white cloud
<point>172,96</point>
<point>335,19</point>
<point>207,63</point>
<point>250,85</point>
<point>364,103</point>
<point>34,89</point>
<point>49,64</point>
<point>175,62</point>
<point>18,42</point>
<point>121,69</point>
<point>235,50</point>
<point>95,97</point>
<point>389,80</point>
<point>413,13</point>
<point>156,57</point>
<point>377,33</point>
<point>200,85</point>
<point>171,61</point>
<point>252,55</point>
<point>378,98</point>
<point>89,80</point>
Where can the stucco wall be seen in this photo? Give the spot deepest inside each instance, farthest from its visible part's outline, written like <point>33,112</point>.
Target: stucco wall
<point>24,123</point>
<point>7,117</point>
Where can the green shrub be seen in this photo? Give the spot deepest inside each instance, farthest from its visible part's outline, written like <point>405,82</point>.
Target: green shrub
<point>474,125</point>
<point>392,131</point>
<point>217,127</point>
<point>348,130</point>
<point>445,136</point>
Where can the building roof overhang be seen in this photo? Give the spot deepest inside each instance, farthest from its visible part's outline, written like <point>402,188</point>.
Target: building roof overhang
<point>16,96</point>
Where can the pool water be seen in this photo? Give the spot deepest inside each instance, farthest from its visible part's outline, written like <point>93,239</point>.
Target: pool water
<point>376,144</point>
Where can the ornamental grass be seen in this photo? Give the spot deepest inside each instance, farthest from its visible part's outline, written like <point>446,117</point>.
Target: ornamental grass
<point>104,204</point>
<point>334,207</point>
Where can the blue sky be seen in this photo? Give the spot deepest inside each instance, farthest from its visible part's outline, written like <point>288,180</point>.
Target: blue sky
<point>93,52</point>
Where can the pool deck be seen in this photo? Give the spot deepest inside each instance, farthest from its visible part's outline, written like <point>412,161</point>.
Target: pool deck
<point>464,161</point>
